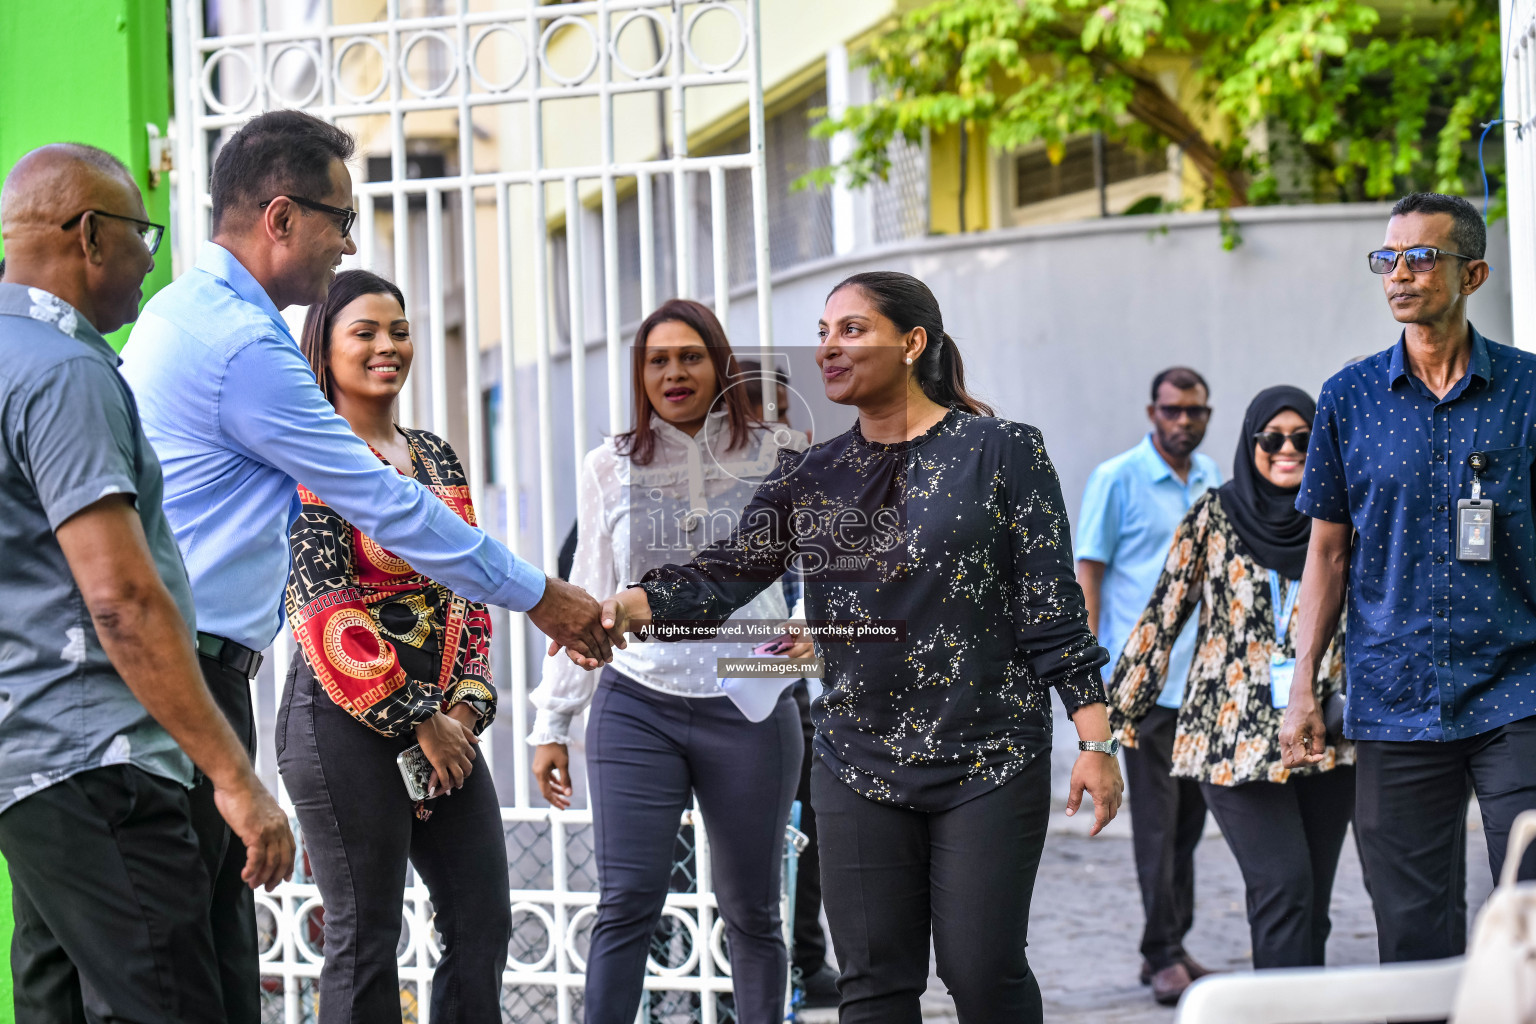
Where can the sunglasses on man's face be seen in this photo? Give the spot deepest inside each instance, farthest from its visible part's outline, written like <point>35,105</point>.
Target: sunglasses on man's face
<point>1420,258</point>
<point>1273,440</point>
<point>1194,413</point>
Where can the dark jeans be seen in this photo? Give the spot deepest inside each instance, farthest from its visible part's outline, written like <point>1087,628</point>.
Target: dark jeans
<point>808,952</point>
<point>1410,807</point>
<point>647,753</point>
<point>232,906</point>
<point>891,875</point>
<point>111,904</point>
<point>360,830</point>
<point>1167,818</point>
<point>1286,837</point>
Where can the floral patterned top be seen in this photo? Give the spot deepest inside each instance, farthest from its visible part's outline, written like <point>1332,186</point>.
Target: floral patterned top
<point>1228,729</point>
<point>390,646</point>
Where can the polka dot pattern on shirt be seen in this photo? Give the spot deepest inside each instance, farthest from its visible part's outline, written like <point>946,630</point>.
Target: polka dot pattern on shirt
<point>1436,648</point>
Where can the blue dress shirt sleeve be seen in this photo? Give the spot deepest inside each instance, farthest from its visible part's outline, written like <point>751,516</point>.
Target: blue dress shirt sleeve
<point>279,416</point>
<point>1098,521</point>
<point>1324,494</point>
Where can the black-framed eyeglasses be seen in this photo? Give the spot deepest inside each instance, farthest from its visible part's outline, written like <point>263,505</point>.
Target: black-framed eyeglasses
<point>347,216</point>
<point>150,232</point>
<point>1420,258</point>
<point>1174,413</point>
<point>1273,440</point>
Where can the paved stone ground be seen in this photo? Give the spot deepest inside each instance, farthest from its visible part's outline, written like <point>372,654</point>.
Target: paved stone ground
<point>1086,919</point>
<point>1086,923</point>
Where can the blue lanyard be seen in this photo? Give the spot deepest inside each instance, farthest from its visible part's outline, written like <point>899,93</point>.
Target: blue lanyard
<point>1282,617</point>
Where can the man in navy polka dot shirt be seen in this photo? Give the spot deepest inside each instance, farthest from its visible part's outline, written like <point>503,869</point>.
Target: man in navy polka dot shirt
<point>1440,648</point>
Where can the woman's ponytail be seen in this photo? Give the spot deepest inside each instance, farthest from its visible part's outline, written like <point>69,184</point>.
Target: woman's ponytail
<point>908,303</point>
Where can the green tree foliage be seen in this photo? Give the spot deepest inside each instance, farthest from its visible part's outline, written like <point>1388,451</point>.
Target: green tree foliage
<point>1310,99</point>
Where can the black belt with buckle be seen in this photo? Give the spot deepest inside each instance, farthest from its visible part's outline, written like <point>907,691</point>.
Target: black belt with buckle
<point>229,654</point>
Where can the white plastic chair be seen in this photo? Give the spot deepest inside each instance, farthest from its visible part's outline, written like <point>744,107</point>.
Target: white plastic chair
<point>1334,995</point>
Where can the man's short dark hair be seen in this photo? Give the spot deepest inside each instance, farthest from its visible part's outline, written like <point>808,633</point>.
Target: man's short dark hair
<point>1181,377</point>
<point>281,152</point>
<point>750,373</point>
<point>1468,232</point>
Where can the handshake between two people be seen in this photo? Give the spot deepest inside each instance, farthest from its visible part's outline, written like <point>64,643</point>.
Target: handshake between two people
<point>588,631</point>
<point>623,613</point>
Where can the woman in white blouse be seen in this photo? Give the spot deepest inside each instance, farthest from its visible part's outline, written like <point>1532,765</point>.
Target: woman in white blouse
<point>662,728</point>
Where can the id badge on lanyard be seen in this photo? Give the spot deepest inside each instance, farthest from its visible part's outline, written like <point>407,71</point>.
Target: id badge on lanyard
<point>1281,669</point>
<point>1474,518</point>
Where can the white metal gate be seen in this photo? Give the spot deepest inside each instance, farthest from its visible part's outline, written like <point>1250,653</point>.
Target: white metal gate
<point>1519,39</point>
<point>475,122</point>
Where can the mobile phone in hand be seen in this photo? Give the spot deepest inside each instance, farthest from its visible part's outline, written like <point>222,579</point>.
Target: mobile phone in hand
<point>417,772</point>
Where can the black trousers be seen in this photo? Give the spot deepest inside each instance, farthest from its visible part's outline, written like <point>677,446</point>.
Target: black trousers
<point>360,830</point>
<point>648,753</point>
<point>110,901</point>
<point>1411,805</point>
<point>809,949</point>
<point>891,876</point>
<point>232,906</point>
<point>1167,818</point>
<point>1286,837</point>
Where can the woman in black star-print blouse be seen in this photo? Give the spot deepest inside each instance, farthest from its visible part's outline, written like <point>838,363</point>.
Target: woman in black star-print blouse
<point>932,783</point>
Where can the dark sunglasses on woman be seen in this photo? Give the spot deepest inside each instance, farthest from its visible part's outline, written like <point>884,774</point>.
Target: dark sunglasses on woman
<point>1273,440</point>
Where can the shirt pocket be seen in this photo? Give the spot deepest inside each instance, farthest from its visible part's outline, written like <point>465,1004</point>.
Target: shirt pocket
<point>1507,481</point>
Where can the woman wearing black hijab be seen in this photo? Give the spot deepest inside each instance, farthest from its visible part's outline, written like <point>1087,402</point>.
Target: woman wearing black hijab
<point>1238,557</point>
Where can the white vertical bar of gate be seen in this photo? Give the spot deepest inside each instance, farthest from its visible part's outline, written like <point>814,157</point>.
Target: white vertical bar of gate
<point>1518,35</point>
<point>400,205</point>
<point>611,312</point>
<point>507,469</point>
<point>187,178</point>
<point>577,318</point>
<point>437,352</point>
<point>365,232</point>
<point>682,209</point>
<point>762,253</point>
<point>719,218</point>
<point>540,225</point>
<point>645,197</point>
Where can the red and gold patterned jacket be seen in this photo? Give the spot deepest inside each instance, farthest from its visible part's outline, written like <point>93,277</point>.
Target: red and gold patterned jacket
<point>389,645</point>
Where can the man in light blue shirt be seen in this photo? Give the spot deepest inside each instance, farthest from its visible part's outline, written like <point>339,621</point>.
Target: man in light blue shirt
<point>1131,507</point>
<point>233,410</point>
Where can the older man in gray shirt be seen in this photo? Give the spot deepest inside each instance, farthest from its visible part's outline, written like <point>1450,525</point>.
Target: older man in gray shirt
<point>103,709</point>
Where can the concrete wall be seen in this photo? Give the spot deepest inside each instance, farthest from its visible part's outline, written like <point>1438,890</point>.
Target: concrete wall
<point>1063,326</point>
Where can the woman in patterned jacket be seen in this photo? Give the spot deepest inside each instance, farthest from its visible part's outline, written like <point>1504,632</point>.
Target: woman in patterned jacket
<point>932,538</point>
<point>388,659</point>
<point>1238,557</point>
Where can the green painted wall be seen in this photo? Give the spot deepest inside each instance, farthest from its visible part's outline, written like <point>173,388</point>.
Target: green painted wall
<point>98,72</point>
<point>92,71</point>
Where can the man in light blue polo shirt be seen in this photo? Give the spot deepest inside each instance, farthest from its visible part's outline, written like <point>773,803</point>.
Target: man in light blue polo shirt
<point>1131,507</point>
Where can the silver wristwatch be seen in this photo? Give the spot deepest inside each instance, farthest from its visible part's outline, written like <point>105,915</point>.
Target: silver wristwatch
<point>1110,746</point>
